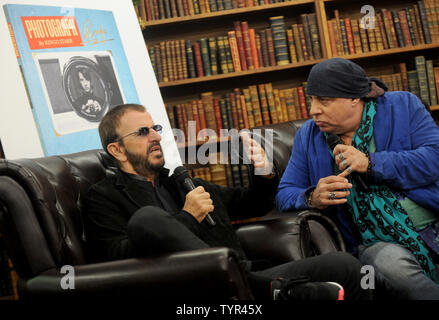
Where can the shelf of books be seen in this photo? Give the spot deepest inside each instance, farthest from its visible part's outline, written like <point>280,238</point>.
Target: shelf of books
<point>243,63</point>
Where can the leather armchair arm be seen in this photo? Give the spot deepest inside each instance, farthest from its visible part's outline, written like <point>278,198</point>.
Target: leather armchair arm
<point>204,273</point>
<point>290,236</point>
<point>281,239</point>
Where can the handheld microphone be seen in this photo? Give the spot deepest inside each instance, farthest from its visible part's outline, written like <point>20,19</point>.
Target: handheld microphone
<point>183,178</point>
<point>332,141</point>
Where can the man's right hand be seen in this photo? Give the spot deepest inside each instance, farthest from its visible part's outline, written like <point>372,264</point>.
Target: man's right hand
<point>198,203</point>
<point>320,198</point>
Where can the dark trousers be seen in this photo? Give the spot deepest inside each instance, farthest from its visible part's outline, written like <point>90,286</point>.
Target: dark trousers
<point>154,231</point>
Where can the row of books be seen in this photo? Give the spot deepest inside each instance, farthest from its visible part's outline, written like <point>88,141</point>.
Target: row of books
<point>227,175</point>
<point>149,10</point>
<point>422,81</point>
<point>409,26</point>
<point>250,107</point>
<point>242,49</point>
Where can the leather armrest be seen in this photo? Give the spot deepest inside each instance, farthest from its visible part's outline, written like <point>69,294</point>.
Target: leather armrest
<point>204,273</point>
<point>290,236</point>
<point>278,240</point>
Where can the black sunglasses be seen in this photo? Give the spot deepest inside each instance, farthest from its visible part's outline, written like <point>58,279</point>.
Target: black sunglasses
<point>144,131</point>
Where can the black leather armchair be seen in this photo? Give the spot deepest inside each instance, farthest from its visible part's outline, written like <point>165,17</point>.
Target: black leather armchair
<point>40,219</point>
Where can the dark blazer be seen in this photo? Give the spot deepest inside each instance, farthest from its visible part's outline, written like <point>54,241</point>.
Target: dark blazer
<point>110,203</point>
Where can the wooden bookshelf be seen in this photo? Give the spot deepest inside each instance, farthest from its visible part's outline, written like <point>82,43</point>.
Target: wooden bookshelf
<point>214,24</point>
<point>224,13</point>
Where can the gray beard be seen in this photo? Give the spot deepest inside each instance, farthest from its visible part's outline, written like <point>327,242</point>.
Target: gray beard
<point>142,165</point>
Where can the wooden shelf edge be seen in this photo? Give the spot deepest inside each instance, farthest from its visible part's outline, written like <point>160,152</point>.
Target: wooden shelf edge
<point>434,108</point>
<point>295,65</point>
<point>238,74</point>
<point>389,51</point>
<point>203,16</point>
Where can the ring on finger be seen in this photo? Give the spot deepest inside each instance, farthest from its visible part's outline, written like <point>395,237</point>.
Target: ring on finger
<point>344,163</point>
<point>349,169</point>
<point>331,195</point>
<point>341,156</point>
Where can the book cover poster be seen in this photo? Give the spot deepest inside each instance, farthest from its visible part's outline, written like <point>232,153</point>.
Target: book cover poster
<point>75,70</point>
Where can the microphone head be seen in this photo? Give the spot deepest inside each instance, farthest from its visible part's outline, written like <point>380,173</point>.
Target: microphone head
<point>333,140</point>
<point>181,173</point>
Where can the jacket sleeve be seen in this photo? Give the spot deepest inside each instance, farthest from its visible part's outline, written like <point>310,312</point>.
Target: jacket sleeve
<point>106,227</point>
<point>295,181</point>
<point>417,164</point>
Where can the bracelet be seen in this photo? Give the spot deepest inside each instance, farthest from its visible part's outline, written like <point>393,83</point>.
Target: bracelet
<point>308,199</point>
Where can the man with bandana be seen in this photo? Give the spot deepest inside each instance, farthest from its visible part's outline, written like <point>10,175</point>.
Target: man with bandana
<point>380,183</point>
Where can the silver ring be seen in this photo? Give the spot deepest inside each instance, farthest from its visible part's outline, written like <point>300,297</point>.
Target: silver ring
<point>344,163</point>
<point>341,156</point>
<point>349,169</point>
<point>331,196</point>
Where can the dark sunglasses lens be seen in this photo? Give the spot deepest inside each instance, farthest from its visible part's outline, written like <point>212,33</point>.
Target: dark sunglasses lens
<point>143,131</point>
<point>157,128</point>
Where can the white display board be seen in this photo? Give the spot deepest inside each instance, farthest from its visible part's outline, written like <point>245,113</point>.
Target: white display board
<point>18,131</point>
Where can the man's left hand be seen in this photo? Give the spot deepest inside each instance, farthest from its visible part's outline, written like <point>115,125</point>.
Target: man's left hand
<point>257,156</point>
<point>348,156</point>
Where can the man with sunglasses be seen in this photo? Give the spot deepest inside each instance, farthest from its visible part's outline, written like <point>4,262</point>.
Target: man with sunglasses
<point>141,211</point>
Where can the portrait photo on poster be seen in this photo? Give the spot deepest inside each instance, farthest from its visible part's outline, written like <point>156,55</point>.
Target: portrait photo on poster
<point>80,88</point>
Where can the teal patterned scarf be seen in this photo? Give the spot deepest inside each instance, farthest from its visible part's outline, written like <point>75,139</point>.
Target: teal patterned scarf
<point>378,213</point>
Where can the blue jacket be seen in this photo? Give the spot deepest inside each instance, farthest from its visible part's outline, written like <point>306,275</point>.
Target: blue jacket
<point>406,159</point>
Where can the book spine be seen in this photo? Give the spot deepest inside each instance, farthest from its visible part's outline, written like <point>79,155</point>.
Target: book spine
<point>431,82</point>
<point>412,76</point>
<point>247,46</point>
<point>218,118</point>
<point>303,43</point>
<point>204,47</point>
<point>403,70</point>
<point>279,40</point>
<point>297,42</point>
<point>344,37</point>
<point>372,39</point>
<point>240,43</point>
<point>307,33</point>
<point>244,111</point>
<point>259,49</point>
<point>283,104</point>
<point>315,37</point>
<point>356,36</point>
<point>161,9</point>
<point>264,104</point>
<point>254,47</point>
<point>213,55</point>
<point>228,51</point>
<point>410,27</point>
<point>398,29</point>
<point>248,103</point>
<point>340,50</point>
<point>302,103</point>
<point>270,46</point>
<point>234,51</point>
<point>209,112</point>
<point>237,95</point>
<point>222,55</point>
<point>280,114</point>
<point>422,78</point>
<point>291,46</point>
<point>232,124</point>
<point>198,59</point>
<point>382,30</point>
<point>436,79</point>
<point>255,105</point>
<point>363,37</point>
<point>289,100</point>
<point>404,27</point>
<point>195,113</point>
<point>332,39</point>
<point>190,59</point>
<point>264,49</point>
<point>223,110</point>
<point>417,19</point>
<point>349,35</point>
<point>235,111</point>
<point>170,65</point>
<point>271,103</point>
<point>424,21</point>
